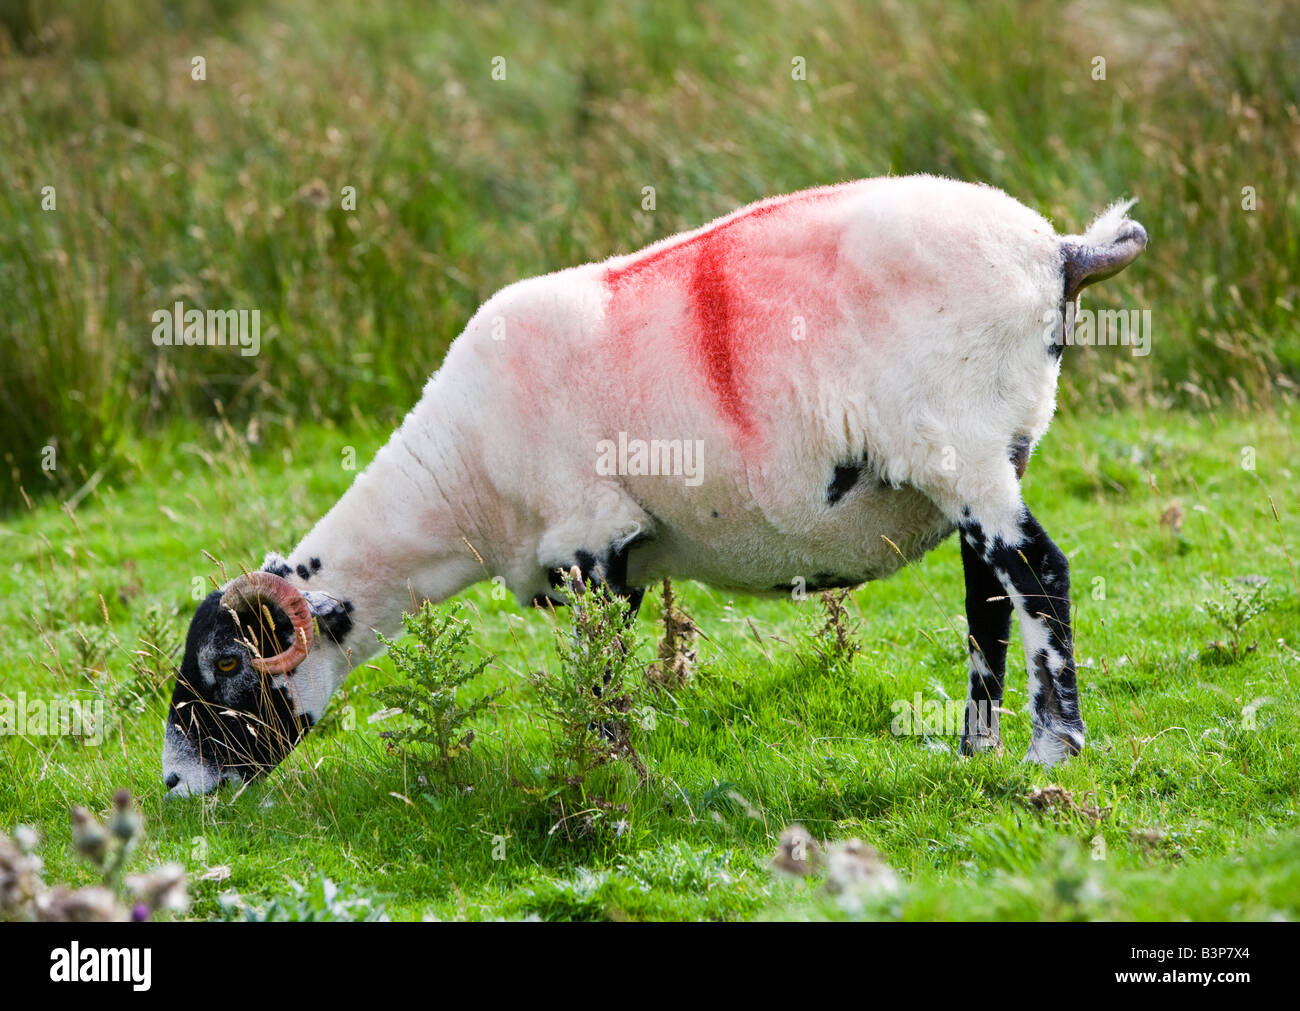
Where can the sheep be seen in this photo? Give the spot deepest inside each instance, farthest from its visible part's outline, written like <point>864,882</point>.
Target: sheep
<point>806,393</point>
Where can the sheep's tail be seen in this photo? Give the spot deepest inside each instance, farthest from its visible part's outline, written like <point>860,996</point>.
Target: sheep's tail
<point>1110,244</point>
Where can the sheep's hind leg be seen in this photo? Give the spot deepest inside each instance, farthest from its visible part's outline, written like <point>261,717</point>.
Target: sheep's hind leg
<point>988,620</point>
<point>1036,575</point>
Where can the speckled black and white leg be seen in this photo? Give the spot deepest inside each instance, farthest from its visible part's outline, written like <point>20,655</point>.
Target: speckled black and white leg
<point>988,620</point>
<point>1035,574</point>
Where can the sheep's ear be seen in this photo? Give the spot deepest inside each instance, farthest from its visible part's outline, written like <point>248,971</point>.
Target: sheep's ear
<point>334,616</point>
<point>1107,247</point>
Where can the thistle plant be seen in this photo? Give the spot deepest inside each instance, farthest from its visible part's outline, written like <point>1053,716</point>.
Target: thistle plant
<point>588,702</point>
<point>434,671</point>
<point>834,640</point>
<point>677,651</point>
<point>1241,606</point>
<point>117,897</point>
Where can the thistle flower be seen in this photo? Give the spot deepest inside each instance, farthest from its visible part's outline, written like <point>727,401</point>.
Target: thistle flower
<point>161,888</point>
<point>88,836</point>
<point>26,838</point>
<point>854,866</point>
<point>19,876</point>
<point>92,904</point>
<point>797,852</point>
<point>125,823</point>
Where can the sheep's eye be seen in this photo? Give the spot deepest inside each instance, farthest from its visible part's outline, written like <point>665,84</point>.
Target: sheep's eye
<point>226,664</point>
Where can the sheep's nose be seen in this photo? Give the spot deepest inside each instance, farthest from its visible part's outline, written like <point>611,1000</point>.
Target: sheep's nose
<point>172,780</point>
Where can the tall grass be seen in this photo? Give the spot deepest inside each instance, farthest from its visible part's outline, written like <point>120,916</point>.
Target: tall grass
<point>227,192</point>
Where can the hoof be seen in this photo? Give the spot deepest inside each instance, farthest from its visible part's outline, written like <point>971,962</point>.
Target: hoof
<point>975,744</point>
<point>1048,748</point>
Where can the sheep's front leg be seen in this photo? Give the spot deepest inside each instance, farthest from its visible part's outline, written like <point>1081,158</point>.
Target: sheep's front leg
<point>1036,576</point>
<point>988,620</point>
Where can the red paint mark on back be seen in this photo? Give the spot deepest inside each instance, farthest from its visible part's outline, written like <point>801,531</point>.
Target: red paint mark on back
<point>641,262</point>
<point>704,265</point>
<point>713,310</point>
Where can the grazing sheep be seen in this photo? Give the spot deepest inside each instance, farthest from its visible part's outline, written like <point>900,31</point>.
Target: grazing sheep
<point>808,392</point>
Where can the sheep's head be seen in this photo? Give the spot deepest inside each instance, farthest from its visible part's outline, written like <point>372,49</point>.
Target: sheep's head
<point>233,713</point>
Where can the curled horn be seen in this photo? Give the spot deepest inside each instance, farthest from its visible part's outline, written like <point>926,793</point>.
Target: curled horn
<point>255,588</point>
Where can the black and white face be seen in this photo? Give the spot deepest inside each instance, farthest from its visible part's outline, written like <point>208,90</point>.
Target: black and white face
<point>233,712</point>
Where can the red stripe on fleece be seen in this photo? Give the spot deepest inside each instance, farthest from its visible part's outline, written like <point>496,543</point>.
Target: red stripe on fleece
<point>615,276</point>
<point>713,310</point>
<point>700,263</point>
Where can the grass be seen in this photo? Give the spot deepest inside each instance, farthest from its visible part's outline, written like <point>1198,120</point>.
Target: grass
<point>1195,801</point>
<point>228,192</point>
<point>133,472</point>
